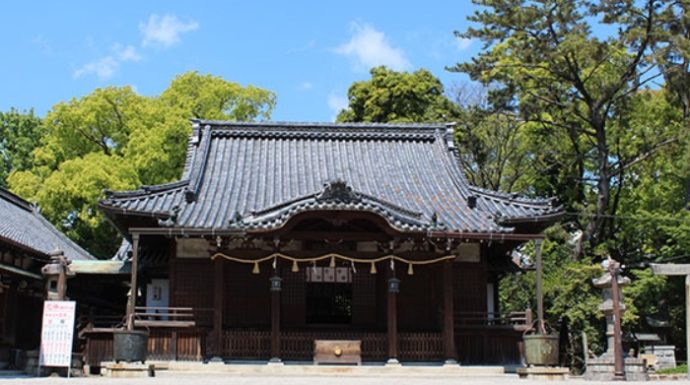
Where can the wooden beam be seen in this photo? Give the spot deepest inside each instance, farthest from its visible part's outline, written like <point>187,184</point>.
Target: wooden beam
<point>497,237</point>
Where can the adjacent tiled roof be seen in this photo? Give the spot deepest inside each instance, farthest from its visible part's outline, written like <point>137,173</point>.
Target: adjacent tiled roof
<point>256,176</point>
<point>21,225</point>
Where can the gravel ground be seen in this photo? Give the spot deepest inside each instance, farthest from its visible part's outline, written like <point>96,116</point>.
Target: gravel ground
<point>213,379</point>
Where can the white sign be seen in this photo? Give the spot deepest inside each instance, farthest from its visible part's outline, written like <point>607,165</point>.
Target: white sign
<point>57,333</point>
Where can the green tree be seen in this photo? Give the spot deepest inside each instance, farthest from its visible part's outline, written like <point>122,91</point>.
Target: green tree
<point>20,133</point>
<point>116,139</point>
<point>543,56</point>
<point>391,96</point>
<point>493,145</point>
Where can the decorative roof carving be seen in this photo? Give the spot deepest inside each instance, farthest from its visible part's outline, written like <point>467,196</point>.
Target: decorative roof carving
<point>338,190</point>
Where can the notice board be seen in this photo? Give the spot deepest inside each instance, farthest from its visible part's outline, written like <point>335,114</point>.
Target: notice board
<point>57,333</point>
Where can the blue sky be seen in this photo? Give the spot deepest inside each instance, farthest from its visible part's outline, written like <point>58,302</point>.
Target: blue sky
<point>308,53</point>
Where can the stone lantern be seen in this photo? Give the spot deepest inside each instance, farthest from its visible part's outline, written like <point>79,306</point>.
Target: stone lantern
<point>56,273</point>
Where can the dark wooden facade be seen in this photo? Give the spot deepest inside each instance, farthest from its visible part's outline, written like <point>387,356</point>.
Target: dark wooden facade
<point>233,310</point>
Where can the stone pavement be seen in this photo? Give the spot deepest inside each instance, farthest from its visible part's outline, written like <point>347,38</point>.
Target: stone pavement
<point>170,378</point>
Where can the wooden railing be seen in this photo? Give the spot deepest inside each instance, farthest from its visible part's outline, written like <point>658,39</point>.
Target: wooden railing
<point>517,320</point>
<point>187,345</point>
<point>169,317</point>
<point>98,324</point>
<point>299,344</point>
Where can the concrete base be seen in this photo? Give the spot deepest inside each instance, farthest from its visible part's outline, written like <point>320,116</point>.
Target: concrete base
<point>127,370</point>
<point>290,369</point>
<point>543,373</point>
<point>602,369</point>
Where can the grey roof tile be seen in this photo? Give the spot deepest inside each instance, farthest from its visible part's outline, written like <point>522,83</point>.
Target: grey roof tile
<point>22,225</point>
<point>269,171</point>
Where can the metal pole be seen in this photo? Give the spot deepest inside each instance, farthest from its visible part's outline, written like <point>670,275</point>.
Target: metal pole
<point>619,373</point>
<point>541,329</point>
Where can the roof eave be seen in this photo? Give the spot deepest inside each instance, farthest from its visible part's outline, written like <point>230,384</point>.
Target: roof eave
<point>544,218</point>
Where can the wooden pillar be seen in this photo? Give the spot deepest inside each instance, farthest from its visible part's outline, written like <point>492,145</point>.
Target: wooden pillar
<point>276,287</point>
<point>448,314</point>
<point>218,297</point>
<point>392,317</point>
<point>541,328</point>
<point>131,304</point>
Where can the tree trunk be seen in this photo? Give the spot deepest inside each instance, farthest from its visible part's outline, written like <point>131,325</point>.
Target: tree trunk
<point>593,232</point>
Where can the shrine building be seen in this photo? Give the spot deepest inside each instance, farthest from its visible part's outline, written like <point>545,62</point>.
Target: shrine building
<point>281,234</point>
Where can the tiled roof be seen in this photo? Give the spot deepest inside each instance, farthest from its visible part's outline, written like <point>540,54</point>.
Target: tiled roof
<point>23,226</point>
<point>256,176</point>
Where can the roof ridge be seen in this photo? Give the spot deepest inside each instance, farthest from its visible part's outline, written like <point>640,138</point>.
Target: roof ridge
<point>147,189</point>
<point>513,197</point>
<point>16,199</point>
<point>225,124</point>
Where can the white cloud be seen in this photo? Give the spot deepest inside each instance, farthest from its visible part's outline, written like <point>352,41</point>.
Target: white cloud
<point>462,43</point>
<point>164,30</point>
<point>104,68</point>
<point>306,86</point>
<point>128,53</point>
<point>337,103</point>
<point>370,48</point>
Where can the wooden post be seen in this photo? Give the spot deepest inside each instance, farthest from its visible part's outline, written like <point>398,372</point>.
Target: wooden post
<point>218,290</point>
<point>448,314</point>
<point>541,328</point>
<point>276,287</point>
<point>133,282</point>
<point>392,318</point>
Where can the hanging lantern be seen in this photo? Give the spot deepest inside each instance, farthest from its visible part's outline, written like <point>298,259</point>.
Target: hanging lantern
<point>410,270</point>
<point>373,268</point>
<point>332,264</point>
<point>393,285</point>
<point>276,283</point>
<point>256,270</point>
<point>295,267</point>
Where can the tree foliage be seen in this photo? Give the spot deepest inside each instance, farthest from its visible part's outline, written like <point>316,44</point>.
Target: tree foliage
<point>20,133</point>
<point>603,125</point>
<point>391,96</point>
<point>116,139</point>
<point>543,57</point>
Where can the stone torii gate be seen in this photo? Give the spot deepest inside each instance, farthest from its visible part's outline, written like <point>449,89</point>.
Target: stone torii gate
<point>669,269</point>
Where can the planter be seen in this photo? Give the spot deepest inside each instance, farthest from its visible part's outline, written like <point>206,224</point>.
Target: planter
<point>130,345</point>
<point>541,349</point>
